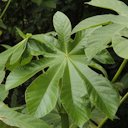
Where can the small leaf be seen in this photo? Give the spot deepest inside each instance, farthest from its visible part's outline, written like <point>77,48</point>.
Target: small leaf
<point>20,33</point>
<point>18,51</point>
<point>6,46</point>
<point>63,28</point>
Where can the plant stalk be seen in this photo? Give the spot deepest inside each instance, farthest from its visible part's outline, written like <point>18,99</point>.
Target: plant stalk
<point>119,70</point>
<point>5,9</point>
<point>113,80</point>
<point>64,120</point>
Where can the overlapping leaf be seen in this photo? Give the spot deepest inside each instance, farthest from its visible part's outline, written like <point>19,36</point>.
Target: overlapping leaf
<point>16,119</point>
<point>23,73</point>
<point>116,5</point>
<point>100,38</point>
<point>120,43</point>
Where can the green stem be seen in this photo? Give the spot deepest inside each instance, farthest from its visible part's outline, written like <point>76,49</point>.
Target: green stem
<point>64,120</point>
<point>106,118</point>
<point>5,9</point>
<point>124,98</point>
<point>113,80</point>
<point>119,70</point>
<point>102,122</point>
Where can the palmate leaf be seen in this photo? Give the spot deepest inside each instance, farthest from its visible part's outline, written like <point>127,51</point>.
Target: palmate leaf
<point>68,77</point>
<point>45,91</point>
<point>13,118</point>
<point>116,5</point>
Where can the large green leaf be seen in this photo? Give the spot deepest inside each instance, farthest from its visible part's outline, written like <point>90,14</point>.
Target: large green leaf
<point>13,118</point>
<point>62,26</point>
<point>100,90</point>
<point>73,95</point>
<point>21,74</point>
<point>116,5</point>
<point>100,38</point>
<point>120,43</point>
<point>45,91</point>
